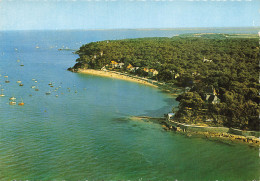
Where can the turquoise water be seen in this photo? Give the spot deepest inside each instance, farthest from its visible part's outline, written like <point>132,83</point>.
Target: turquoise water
<point>86,132</point>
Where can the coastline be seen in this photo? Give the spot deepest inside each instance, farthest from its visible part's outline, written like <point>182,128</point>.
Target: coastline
<point>118,75</point>
<point>214,133</point>
<point>221,134</point>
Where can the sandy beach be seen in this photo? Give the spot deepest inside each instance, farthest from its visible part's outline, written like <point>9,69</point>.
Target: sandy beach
<point>116,75</point>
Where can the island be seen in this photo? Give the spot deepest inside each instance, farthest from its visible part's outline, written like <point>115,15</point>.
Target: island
<point>214,75</point>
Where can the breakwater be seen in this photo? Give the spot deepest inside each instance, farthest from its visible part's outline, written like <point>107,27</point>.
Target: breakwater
<point>250,137</point>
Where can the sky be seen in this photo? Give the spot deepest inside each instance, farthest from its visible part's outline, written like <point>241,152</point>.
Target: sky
<point>127,14</point>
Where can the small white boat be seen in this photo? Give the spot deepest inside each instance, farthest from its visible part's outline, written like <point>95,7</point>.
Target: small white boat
<point>33,87</point>
<point>2,94</point>
<point>37,47</point>
<point>12,98</point>
<point>18,81</point>
<point>12,103</point>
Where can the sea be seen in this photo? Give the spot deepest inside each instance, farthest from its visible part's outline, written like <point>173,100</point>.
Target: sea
<point>83,130</point>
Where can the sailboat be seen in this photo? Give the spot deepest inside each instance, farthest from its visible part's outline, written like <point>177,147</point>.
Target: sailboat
<point>12,101</point>
<point>7,81</point>
<point>2,94</point>
<point>12,98</point>
<point>21,103</point>
<point>36,89</point>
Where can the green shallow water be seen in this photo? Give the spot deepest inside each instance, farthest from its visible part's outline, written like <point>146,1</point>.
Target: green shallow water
<point>89,135</point>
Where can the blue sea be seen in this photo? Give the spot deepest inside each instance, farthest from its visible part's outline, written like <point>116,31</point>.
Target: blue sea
<point>83,130</point>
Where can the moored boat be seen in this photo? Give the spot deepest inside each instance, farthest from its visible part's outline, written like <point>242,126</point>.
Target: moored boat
<point>2,94</point>
<point>48,93</point>
<point>12,103</point>
<point>21,103</point>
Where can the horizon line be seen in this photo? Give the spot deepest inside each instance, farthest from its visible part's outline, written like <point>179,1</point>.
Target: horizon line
<point>140,29</point>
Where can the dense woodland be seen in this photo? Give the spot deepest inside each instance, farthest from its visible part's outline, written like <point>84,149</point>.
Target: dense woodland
<point>220,73</point>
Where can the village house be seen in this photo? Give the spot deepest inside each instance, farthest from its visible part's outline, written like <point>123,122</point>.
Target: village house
<point>104,68</point>
<point>114,64</point>
<point>210,90</point>
<point>170,116</point>
<point>133,69</point>
<point>130,67</point>
<point>211,95</point>
<point>212,99</point>
<point>195,74</point>
<point>206,60</point>
<point>146,69</point>
<point>120,65</point>
<point>136,68</point>
<point>152,72</point>
<point>176,76</point>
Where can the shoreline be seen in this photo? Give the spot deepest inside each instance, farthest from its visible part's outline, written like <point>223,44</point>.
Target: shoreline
<point>117,75</point>
<point>222,134</point>
<point>193,130</point>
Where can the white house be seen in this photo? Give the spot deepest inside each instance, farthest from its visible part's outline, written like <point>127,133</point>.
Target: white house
<point>170,116</point>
